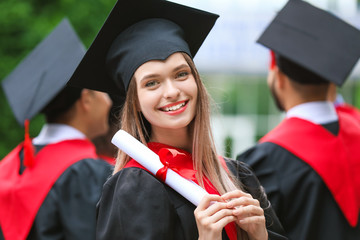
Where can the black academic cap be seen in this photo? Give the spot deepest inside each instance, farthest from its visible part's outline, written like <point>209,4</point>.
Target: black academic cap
<point>315,40</point>
<point>44,72</point>
<point>184,28</point>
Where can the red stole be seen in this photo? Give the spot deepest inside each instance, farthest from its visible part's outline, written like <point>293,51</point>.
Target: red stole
<point>335,158</point>
<point>183,165</point>
<point>347,108</point>
<point>22,195</point>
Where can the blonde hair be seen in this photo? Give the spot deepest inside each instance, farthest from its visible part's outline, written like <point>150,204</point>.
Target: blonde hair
<point>204,154</point>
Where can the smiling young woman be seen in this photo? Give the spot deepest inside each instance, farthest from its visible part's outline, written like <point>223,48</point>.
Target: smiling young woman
<point>167,109</point>
<point>167,93</point>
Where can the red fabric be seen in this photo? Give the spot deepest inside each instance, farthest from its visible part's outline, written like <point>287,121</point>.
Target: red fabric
<point>347,108</point>
<point>29,151</point>
<point>108,159</point>
<point>335,158</point>
<point>166,155</point>
<point>272,60</point>
<point>181,162</point>
<point>22,195</point>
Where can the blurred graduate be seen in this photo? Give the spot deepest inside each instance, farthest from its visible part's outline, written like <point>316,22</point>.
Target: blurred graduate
<point>310,163</point>
<point>49,185</point>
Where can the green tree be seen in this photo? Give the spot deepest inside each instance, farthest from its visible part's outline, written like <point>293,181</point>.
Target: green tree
<point>24,23</point>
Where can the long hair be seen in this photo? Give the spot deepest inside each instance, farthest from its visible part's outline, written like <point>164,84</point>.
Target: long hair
<point>204,153</point>
<point>205,157</point>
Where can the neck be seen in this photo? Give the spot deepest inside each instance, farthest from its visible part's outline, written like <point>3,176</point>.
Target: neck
<point>179,138</point>
<point>75,120</point>
<point>299,93</point>
<point>297,101</point>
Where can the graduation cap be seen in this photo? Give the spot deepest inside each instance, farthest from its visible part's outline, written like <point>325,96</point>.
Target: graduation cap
<point>137,31</point>
<point>44,72</point>
<point>314,40</point>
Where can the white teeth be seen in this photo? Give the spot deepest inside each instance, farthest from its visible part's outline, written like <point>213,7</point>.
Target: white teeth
<point>174,108</point>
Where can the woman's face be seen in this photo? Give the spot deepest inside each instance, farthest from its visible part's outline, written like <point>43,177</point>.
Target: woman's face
<point>167,92</point>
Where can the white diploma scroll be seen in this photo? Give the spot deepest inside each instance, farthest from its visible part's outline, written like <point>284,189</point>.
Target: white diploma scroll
<point>151,161</point>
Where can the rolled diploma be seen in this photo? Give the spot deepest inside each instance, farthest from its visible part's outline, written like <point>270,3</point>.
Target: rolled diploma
<point>151,161</point>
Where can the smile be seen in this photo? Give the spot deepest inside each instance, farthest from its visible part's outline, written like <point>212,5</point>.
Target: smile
<point>174,107</point>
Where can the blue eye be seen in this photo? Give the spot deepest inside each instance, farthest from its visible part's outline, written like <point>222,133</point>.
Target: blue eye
<point>151,83</point>
<point>183,74</point>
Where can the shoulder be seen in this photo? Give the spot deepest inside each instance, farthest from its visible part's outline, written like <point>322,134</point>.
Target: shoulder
<point>137,188</point>
<point>131,180</point>
<point>259,152</point>
<point>269,158</point>
<point>129,189</point>
<point>239,169</point>
<point>87,171</point>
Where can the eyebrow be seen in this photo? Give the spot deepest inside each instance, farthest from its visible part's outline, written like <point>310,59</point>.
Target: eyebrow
<point>181,66</point>
<point>153,75</point>
<point>149,76</point>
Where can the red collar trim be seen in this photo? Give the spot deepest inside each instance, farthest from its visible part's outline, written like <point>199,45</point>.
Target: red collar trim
<point>24,194</point>
<point>323,151</point>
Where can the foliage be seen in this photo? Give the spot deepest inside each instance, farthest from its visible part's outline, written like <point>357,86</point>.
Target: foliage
<point>24,23</point>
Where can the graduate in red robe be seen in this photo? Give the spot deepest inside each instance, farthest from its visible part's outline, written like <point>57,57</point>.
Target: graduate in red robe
<point>144,51</point>
<point>309,163</point>
<point>49,185</point>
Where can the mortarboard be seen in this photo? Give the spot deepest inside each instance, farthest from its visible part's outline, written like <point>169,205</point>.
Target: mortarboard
<point>315,40</point>
<point>135,32</point>
<point>44,72</point>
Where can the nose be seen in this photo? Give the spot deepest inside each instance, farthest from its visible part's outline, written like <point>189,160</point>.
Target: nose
<point>171,90</point>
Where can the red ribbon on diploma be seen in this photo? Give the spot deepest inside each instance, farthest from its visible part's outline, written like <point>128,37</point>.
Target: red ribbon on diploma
<point>167,156</point>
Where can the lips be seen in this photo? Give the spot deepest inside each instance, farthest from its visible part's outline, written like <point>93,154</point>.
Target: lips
<point>174,106</point>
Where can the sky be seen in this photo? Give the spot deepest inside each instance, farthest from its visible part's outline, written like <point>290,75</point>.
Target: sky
<point>231,46</point>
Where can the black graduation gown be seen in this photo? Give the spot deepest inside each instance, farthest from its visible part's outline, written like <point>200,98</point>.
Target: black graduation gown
<point>69,209</point>
<point>135,205</point>
<point>300,198</point>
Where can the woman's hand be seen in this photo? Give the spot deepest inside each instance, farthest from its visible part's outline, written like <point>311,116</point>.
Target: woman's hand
<point>212,215</point>
<point>249,215</point>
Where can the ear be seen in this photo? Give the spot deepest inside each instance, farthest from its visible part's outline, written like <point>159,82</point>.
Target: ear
<point>85,99</point>
<point>280,78</point>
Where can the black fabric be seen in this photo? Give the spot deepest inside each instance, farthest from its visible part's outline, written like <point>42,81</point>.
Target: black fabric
<point>135,205</point>
<point>68,211</point>
<point>332,127</point>
<point>1,235</point>
<point>301,200</point>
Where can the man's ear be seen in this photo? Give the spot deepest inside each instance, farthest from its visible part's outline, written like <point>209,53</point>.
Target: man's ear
<point>280,78</point>
<point>85,99</point>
